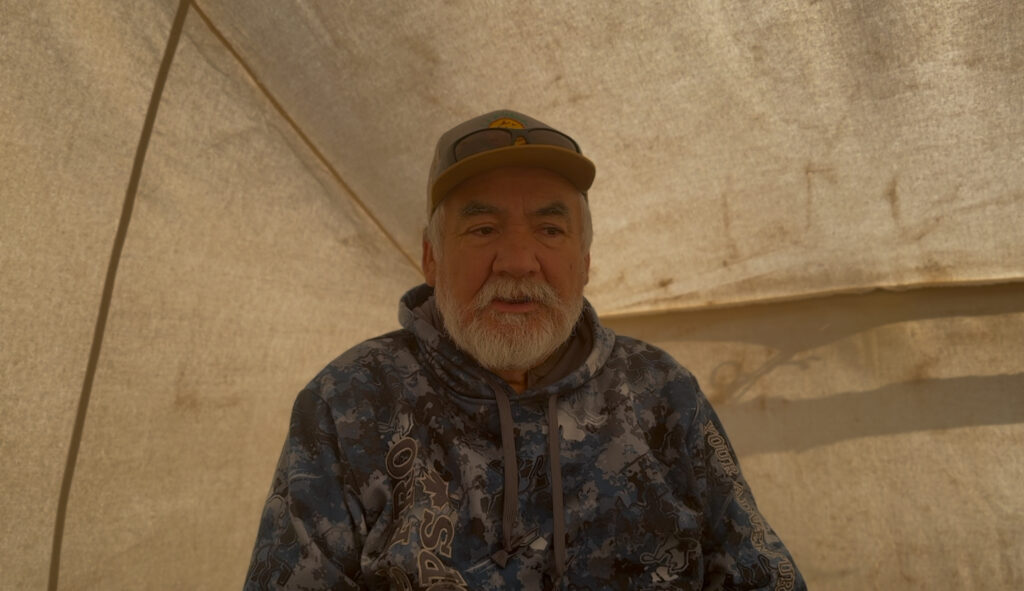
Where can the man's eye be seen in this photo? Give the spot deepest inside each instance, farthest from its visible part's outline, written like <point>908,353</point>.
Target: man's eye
<point>552,231</point>
<point>483,231</point>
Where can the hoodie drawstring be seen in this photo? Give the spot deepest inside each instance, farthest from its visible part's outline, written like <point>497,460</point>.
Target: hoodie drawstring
<point>510,509</point>
<point>555,465</point>
<point>511,494</point>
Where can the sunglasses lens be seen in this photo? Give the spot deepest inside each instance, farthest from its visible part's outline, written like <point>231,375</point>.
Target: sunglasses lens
<point>551,137</point>
<point>482,141</point>
<point>492,139</point>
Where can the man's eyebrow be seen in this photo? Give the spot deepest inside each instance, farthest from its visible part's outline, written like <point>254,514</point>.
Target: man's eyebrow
<point>476,208</point>
<point>553,209</point>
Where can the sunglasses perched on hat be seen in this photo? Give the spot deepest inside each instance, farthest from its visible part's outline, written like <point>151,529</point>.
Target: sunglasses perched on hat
<point>492,138</point>
<point>499,139</point>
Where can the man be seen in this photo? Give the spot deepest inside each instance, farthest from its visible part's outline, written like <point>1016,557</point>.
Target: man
<point>505,439</point>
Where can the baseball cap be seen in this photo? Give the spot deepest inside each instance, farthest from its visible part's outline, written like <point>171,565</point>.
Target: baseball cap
<point>503,138</point>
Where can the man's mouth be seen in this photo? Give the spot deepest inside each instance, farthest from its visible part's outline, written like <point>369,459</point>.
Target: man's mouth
<point>515,305</point>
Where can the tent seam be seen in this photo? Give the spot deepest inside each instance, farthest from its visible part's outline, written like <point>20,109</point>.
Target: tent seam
<point>108,292</point>
<point>305,138</point>
<point>639,312</point>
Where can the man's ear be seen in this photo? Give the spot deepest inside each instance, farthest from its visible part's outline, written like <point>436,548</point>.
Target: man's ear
<point>429,263</point>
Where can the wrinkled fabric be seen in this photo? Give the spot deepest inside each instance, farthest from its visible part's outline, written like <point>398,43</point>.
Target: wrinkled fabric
<point>392,474</point>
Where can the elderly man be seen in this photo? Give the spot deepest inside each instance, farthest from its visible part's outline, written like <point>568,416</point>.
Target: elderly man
<point>503,438</point>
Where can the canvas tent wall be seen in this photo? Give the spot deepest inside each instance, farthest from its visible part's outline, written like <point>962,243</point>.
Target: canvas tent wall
<point>814,206</point>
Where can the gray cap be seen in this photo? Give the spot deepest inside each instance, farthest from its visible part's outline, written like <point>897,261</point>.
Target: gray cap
<point>503,138</point>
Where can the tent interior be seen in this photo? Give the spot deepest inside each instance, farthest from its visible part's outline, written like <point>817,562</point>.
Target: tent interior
<point>815,206</point>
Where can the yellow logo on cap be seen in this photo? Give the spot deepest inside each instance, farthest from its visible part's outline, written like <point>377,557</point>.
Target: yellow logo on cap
<point>507,123</point>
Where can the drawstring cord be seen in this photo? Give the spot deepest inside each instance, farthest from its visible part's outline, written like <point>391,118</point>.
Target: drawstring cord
<point>511,494</point>
<point>510,507</point>
<point>555,465</point>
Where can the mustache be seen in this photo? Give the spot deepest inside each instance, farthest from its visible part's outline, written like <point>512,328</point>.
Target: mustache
<point>507,288</point>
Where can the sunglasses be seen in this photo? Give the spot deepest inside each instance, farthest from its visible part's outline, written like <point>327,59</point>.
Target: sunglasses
<point>484,140</point>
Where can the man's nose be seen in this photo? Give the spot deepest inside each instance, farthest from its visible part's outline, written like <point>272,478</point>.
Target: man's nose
<point>517,255</point>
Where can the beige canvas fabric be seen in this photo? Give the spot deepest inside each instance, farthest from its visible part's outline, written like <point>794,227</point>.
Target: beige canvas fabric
<point>759,153</point>
<point>750,162</point>
<point>67,142</point>
<point>878,432</point>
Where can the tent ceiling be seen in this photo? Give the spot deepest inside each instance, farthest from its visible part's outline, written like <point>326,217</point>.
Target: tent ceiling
<point>742,154</point>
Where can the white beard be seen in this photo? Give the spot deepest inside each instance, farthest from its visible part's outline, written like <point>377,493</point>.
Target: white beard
<point>506,341</point>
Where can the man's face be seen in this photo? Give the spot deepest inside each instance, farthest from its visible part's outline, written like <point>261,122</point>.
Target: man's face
<point>509,278</point>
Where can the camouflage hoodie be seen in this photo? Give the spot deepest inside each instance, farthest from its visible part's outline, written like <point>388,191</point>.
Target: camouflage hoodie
<point>409,466</point>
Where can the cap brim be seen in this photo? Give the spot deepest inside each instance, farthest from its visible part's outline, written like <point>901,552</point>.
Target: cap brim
<point>576,168</point>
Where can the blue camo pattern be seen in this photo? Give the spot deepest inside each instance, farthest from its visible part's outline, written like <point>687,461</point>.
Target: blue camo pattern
<point>391,477</point>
